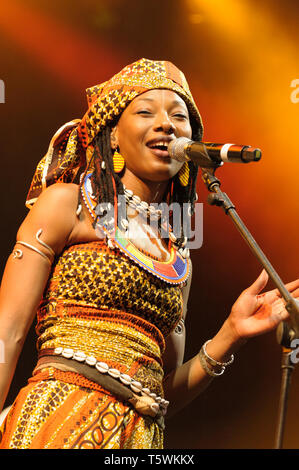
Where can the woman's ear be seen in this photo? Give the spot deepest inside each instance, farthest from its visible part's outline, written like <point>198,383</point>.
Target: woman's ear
<point>113,138</point>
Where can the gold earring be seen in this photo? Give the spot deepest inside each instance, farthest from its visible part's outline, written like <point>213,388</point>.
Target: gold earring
<point>118,162</point>
<point>184,174</point>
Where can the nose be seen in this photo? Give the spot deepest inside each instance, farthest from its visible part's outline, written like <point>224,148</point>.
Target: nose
<point>164,124</point>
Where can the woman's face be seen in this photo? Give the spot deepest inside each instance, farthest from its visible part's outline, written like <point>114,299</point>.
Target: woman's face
<point>144,131</point>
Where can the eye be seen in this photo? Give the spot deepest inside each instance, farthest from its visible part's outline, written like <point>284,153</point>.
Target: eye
<point>144,112</point>
<point>180,116</point>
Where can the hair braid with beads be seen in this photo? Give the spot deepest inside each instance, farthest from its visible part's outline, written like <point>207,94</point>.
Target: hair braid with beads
<point>107,184</point>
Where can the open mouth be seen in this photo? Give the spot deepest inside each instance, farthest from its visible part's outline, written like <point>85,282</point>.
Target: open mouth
<point>159,148</point>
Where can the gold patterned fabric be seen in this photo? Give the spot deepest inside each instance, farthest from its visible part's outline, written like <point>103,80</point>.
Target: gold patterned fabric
<point>123,310</point>
<point>92,275</point>
<point>101,303</point>
<point>71,147</point>
<point>50,413</point>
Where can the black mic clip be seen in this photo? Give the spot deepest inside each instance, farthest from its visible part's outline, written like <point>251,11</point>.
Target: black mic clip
<point>222,201</point>
<point>216,198</point>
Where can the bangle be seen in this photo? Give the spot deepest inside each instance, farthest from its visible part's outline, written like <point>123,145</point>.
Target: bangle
<point>212,361</point>
<point>210,365</point>
<point>205,366</point>
<point>19,254</point>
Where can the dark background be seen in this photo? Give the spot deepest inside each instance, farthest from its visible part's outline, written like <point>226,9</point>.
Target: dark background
<point>240,58</point>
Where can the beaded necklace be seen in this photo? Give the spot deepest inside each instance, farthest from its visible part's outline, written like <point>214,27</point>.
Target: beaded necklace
<point>175,270</point>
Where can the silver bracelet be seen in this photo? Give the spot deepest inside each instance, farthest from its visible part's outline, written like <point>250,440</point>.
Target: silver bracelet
<point>212,361</point>
<point>19,254</point>
<point>206,368</point>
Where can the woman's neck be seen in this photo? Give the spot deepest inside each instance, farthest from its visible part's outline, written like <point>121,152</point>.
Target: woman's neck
<point>148,191</point>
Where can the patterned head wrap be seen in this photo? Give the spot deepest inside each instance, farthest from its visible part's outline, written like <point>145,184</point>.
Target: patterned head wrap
<point>71,147</point>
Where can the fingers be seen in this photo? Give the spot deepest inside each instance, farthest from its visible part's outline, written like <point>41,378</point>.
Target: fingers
<point>295,293</point>
<point>279,313</point>
<point>259,284</point>
<point>292,287</point>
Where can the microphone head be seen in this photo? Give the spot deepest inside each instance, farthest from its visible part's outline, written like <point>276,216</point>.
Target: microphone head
<point>250,154</point>
<point>176,149</point>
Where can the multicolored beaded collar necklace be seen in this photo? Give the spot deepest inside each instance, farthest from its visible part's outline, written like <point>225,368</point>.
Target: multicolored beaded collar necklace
<point>174,271</point>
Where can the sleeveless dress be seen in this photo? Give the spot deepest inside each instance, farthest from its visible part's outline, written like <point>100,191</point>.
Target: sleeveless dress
<point>98,301</point>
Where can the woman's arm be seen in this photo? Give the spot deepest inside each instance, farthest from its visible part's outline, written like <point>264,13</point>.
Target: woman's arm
<point>251,315</point>
<point>25,278</point>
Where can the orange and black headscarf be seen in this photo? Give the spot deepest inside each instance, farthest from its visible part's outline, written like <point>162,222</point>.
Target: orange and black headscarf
<point>71,147</point>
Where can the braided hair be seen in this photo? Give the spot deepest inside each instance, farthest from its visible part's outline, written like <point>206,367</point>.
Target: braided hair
<point>107,184</point>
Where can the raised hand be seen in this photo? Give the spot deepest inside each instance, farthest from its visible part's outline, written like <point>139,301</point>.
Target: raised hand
<point>254,314</point>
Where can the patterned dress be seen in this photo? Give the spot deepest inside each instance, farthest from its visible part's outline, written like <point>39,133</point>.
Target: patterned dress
<point>102,303</point>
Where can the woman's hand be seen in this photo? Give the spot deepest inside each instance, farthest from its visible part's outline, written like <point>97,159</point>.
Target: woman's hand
<point>254,314</point>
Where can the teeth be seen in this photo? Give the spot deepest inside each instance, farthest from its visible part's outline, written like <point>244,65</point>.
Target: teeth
<point>160,144</point>
<point>163,144</point>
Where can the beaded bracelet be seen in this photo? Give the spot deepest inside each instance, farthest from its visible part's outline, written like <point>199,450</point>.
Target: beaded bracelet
<point>212,361</point>
<point>208,363</point>
<point>205,366</point>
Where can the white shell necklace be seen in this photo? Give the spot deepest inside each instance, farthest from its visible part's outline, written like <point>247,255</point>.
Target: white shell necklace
<point>141,206</point>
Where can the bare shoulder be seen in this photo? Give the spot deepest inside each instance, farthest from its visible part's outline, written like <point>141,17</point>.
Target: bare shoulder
<point>55,213</point>
<point>60,192</point>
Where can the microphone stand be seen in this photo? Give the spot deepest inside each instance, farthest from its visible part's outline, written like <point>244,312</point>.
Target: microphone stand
<point>286,332</point>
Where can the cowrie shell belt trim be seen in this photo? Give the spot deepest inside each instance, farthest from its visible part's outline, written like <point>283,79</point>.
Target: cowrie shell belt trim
<point>158,404</point>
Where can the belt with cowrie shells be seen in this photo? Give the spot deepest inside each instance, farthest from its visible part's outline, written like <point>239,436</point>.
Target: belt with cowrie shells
<point>120,384</point>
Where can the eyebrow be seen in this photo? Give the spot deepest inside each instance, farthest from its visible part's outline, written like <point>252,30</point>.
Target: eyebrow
<point>175,102</point>
<point>145,99</point>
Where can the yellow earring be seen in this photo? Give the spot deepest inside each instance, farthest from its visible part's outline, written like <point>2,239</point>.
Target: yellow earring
<point>184,174</point>
<point>118,162</point>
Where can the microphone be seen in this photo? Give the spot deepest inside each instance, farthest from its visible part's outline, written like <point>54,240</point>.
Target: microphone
<point>207,154</point>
